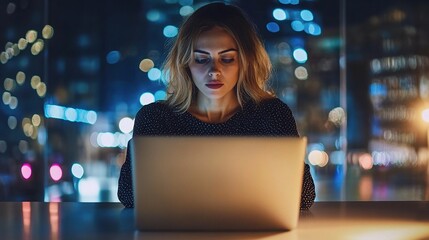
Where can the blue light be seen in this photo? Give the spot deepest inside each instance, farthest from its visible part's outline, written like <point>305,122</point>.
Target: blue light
<point>306,15</point>
<point>170,31</point>
<point>279,14</point>
<point>297,26</point>
<point>147,98</point>
<point>77,170</point>
<point>160,95</point>
<point>273,27</point>
<point>186,10</point>
<point>70,114</point>
<point>300,55</point>
<point>113,57</point>
<point>313,29</point>
<point>154,74</point>
<point>153,15</point>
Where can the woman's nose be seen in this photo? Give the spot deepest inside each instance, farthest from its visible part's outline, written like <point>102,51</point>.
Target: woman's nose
<point>214,70</point>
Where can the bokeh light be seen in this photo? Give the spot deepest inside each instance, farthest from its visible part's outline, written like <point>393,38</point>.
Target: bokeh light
<point>170,31</point>
<point>56,172</point>
<point>147,98</point>
<point>273,27</point>
<point>126,125</point>
<point>146,64</point>
<point>77,170</point>
<point>300,55</point>
<point>26,171</point>
<point>280,14</point>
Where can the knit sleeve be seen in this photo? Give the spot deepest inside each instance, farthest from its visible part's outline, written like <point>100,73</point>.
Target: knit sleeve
<point>282,120</point>
<point>308,190</point>
<point>147,122</point>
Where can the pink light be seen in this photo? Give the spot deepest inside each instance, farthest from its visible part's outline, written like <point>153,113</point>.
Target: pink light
<point>56,172</point>
<point>26,171</point>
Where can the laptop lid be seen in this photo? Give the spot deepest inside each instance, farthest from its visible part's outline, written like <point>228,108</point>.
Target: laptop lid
<point>217,183</point>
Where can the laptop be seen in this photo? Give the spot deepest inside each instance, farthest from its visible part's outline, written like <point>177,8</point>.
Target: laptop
<point>217,183</point>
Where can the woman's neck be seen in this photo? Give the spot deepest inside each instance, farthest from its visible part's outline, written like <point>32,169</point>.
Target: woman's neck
<point>214,111</point>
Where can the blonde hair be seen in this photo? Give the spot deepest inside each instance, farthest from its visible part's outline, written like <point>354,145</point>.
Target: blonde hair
<point>254,63</point>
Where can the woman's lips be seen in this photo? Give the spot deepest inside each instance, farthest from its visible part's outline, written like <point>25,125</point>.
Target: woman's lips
<point>214,85</point>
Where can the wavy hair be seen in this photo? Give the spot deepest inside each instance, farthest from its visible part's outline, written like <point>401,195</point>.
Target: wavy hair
<point>254,63</point>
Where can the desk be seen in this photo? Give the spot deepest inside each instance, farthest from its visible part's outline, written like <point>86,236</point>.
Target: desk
<point>325,220</point>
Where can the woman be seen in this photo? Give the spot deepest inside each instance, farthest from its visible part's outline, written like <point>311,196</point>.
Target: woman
<point>216,74</point>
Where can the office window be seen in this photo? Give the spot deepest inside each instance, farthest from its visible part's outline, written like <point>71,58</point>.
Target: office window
<point>75,73</point>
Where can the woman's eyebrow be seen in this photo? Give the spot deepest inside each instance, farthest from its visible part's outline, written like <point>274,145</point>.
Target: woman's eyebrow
<point>221,52</point>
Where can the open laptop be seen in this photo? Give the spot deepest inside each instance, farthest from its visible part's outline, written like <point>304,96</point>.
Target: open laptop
<point>217,183</point>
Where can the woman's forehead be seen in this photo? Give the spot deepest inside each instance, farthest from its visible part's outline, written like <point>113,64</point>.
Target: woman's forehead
<point>215,38</point>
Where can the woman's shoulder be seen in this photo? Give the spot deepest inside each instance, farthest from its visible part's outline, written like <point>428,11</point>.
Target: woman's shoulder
<point>273,104</point>
<point>152,118</point>
<point>154,109</point>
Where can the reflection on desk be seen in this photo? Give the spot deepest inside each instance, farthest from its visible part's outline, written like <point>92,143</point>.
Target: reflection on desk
<point>325,220</point>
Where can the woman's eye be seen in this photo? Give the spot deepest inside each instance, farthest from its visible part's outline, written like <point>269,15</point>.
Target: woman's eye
<point>201,60</point>
<point>227,60</point>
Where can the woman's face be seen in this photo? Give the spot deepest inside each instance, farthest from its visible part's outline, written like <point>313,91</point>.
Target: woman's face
<point>214,65</point>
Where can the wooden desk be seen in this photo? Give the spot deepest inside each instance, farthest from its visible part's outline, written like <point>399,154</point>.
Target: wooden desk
<point>325,220</point>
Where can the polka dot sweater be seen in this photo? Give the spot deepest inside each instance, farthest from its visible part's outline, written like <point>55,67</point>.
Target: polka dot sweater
<point>269,118</point>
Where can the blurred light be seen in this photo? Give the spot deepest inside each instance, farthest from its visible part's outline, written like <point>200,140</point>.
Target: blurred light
<point>318,158</point>
<point>186,10</point>
<point>273,27</point>
<point>170,31</point>
<point>160,95</point>
<point>313,29</point>
<point>35,80</point>
<point>297,26</point>
<point>22,43</point>
<point>425,115</point>
<point>365,161</point>
<point>10,9</point>
<point>47,32</point>
<point>126,125</point>
<point>280,14</point>
<point>31,36</point>
<point>13,102</point>
<point>3,146</point>
<point>23,146</point>
<point>26,171</point>
<point>294,2</point>
<point>55,172</point>
<point>113,57</point>
<point>9,84</point>
<point>154,74</point>
<point>70,114</point>
<point>77,170</point>
<point>89,189</point>
<point>301,73</point>
<point>20,77</point>
<point>3,58</point>
<point>12,122</point>
<point>306,15</point>
<point>37,47</point>
<point>36,120</point>
<point>300,55</point>
<point>106,139</point>
<point>6,98</point>
<point>337,116</point>
<point>146,64</point>
<point>147,98</point>
<point>153,15</point>
<point>41,89</point>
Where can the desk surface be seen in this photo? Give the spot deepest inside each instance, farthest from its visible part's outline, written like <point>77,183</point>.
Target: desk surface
<point>325,220</point>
